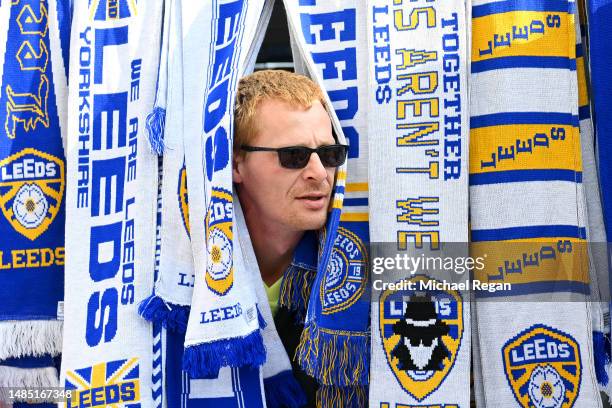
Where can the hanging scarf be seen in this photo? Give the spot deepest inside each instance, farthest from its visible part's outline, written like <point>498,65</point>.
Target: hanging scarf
<point>418,200</point>
<point>334,347</point>
<point>598,14</point>
<point>596,234</point>
<point>32,175</point>
<point>527,208</point>
<point>169,304</point>
<point>111,201</point>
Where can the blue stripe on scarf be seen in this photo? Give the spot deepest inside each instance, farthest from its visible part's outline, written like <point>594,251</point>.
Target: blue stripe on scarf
<point>539,287</point>
<point>518,5</point>
<point>355,202</point>
<point>64,18</point>
<point>523,62</point>
<point>534,231</point>
<point>584,112</point>
<point>509,176</point>
<point>523,118</point>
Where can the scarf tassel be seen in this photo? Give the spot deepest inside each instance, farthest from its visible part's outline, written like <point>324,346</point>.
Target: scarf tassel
<point>341,397</point>
<point>601,350</point>
<point>170,316</point>
<point>26,378</point>
<point>156,122</point>
<point>283,390</point>
<point>295,290</point>
<point>206,359</point>
<point>33,337</point>
<point>335,358</point>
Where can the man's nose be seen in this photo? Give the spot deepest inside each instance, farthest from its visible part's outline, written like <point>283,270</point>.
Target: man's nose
<point>315,169</point>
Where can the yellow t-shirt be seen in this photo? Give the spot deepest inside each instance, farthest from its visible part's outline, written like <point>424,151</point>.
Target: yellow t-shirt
<point>273,293</point>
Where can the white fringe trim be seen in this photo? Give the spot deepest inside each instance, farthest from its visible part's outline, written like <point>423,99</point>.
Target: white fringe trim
<point>26,378</point>
<point>30,338</point>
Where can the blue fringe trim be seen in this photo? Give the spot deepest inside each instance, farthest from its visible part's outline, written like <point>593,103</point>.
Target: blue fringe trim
<point>295,290</point>
<point>206,359</point>
<point>601,351</point>
<point>172,317</point>
<point>262,321</point>
<point>342,397</point>
<point>336,358</point>
<point>283,390</point>
<point>156,122</point>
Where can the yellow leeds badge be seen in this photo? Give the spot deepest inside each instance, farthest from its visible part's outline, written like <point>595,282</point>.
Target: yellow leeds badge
<point>219,246</point>
<point>543,367</point>
<point>31,191</point>
<point>421,334</point>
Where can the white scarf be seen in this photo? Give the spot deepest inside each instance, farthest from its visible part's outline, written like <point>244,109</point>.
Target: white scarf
<point>111,199</point>
<point>418,149</point>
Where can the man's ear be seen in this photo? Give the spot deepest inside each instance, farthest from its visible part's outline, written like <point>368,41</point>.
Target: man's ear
<point>236,168</point>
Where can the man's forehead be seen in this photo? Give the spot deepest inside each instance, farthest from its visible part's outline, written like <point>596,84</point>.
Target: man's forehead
<point>280,119</point>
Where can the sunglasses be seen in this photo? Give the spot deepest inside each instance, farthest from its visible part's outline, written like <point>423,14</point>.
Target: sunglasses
<point>297,157</point>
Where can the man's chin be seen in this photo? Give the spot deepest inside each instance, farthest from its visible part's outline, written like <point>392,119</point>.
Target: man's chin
<point>306,222</point>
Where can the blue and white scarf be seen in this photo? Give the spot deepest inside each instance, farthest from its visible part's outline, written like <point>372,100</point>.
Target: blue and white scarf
<point>329,44</point>
<point>598,14</point>
<point>33,98</point>
<point>110,201</point>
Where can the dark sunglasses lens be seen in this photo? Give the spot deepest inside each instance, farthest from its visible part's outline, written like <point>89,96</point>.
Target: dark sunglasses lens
<point>332,156</point>
<point>293,157</point>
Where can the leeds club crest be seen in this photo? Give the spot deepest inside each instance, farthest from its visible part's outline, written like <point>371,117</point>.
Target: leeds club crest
<point>543,367</point>
<point>347,274</point>
<point>421,334</point>
<point>220,269</point>
<point>31,191</point>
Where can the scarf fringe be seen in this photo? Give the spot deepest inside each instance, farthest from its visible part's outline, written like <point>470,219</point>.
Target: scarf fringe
<point>338,359</point>
<point>26,378</point>
<point>261,320</point>
<point>601,351</point>
<point>283,390</point>
<point>341,397</point>
<point>156,122</point>
<point>171,316</point>
<point>30,338</point>
<point>206,359</point>
<point>295,290</point>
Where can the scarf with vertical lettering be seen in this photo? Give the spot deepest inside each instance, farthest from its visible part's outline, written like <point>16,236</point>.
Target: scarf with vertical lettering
<point>169,304</point>
<point>418,146</point>
<point>230,377</point>
<point>111,201</point>
<point>527,207</point>
<point>329,44</point>
<point>33,95</point>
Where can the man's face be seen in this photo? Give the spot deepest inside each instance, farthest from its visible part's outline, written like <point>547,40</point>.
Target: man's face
<point>292,199</point>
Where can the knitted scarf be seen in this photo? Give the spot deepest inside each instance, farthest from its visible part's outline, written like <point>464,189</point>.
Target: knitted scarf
<point>33,95</point>
<point>334,347</point>
<point>525,161</point>
<point>598,14</point>
<point>111,202</point>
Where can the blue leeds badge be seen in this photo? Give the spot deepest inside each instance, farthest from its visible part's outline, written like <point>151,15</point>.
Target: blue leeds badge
<point>348,273</point>
<point>421,334</point>
<point>543,368</point>
<point>31,191</point>
<point>220,269</point>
